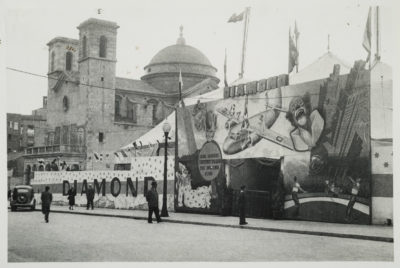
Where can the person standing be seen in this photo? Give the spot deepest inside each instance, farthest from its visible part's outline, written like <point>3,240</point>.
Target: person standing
<point>46,198</point>
<point>353,198</point>
<point>152,200</point>
<point>90,197</point>
<point>242,205</point>
<point>295,190</point>
<point>71,198</point>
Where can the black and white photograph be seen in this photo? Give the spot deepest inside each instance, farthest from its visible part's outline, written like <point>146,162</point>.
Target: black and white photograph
<point>195,131</point>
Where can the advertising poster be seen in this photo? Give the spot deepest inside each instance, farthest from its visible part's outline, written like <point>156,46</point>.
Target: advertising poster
<point>320,130</point>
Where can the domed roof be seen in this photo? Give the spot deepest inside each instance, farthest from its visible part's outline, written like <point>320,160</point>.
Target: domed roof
<point>180,53</point>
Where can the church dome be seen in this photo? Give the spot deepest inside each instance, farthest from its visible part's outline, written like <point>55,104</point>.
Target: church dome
<point>163,70</point>
<point>180,53</point>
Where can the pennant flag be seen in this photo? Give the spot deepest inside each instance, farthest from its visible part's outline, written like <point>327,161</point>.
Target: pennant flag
<point>293,53</point>
<point>236,18</point>
<point>225,68</point>
<point>96,156</point>
<point>367,36</point>
<point>296,31</point>
<point>116,154</point>
<point>180,85</point>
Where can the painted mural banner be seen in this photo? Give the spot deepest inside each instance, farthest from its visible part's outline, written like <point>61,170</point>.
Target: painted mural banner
<point>319,129</point>
<point>113,189</point>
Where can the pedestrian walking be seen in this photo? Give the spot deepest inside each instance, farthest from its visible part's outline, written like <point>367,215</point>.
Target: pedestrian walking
<point>89,197</point>
<point>152,200</point>
<point>242,205</point>
<point>46,198</point>
<point>353,198</point>
<point>295,189</point>
<point>71,198</point>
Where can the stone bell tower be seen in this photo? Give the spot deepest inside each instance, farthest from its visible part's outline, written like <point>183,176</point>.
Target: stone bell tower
<point>97,63</point>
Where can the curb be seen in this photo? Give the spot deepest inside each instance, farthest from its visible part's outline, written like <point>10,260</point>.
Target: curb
<point>329,234</point>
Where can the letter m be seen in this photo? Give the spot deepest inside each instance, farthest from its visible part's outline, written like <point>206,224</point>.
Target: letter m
<point>101,187</point>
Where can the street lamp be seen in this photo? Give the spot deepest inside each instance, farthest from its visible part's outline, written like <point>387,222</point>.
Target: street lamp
<point>166,128</point>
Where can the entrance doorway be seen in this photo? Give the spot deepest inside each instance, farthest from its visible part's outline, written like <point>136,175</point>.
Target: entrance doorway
<point>260,175</point>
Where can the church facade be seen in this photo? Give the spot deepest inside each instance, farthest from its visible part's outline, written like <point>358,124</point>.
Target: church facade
<point>90,112</point>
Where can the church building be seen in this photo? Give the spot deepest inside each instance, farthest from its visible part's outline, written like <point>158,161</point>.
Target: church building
<point>90,112</point>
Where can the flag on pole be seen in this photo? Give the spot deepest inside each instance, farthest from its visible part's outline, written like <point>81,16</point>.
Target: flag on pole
<point>293,53</point>
<point>180,85</point>
<point>367,36</point>
<point>296,31</point>
<point>225,68</point>
<point>236,18</point>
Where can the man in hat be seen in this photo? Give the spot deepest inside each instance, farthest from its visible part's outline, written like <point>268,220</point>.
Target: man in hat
<point>152,199</point>
<point>46,198</point>
<point>242,205</point>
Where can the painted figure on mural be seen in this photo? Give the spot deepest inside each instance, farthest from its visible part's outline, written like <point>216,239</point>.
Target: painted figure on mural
<point>353,198</point>
<point>46,199</point>
<point>295,190</point>
<point>152,200</point>
<point>90,197</point>
<point>242,205</point>
<point>188,197</point>
<point>71,198</point>
<point>308,125</point>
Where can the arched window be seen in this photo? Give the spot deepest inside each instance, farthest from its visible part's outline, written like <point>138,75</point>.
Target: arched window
<point>84,47</point>
<point>68,61</point>
<point>53,55</point>
<point>103,47</point>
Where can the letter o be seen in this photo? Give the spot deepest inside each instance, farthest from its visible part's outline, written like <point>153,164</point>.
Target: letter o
<point>115,194</point>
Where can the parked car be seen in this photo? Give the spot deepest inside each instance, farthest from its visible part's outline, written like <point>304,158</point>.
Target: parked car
<point>25,198</point>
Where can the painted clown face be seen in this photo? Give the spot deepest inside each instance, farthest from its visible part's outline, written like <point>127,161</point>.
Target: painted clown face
<point>299,111</point>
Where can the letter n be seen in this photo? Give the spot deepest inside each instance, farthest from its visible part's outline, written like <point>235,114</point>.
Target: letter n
<point>129,185</point>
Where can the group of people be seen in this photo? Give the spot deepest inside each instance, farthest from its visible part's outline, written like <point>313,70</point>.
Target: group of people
<point>152,200</point>
<point>89,197</point>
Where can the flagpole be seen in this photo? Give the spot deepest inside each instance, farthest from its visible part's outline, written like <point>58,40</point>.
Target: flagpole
<point>245,31</point>
<point>377,55</point>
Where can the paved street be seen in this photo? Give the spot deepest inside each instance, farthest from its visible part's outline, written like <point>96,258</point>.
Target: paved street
<point>83,238</point>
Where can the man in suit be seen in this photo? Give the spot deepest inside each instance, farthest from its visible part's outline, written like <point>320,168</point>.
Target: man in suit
<point>152,199</point>
<point>89,197</point>
<point>242,205</point>
<point>46,198</point>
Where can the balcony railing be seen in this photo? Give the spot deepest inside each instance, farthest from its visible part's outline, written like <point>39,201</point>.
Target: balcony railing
<point>55,149</point>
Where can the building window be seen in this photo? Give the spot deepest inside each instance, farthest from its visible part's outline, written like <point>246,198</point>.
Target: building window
<point>68,61</point>
<point>101,136</point>
<point>84,47</point>
<point>15,125</point>
<point>117,108</point>
<point>53,55</point>
<point>65,103</point>
<point>132,114</point>
<point>103,47</point>
<point>22,129</point>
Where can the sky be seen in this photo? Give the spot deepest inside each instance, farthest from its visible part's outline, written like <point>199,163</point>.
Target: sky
<point>146,27</point>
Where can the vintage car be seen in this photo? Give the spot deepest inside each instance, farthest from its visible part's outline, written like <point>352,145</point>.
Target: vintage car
<point>25,198</point>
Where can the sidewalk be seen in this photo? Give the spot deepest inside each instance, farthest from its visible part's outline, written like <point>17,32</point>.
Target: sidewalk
<point>366,232</point>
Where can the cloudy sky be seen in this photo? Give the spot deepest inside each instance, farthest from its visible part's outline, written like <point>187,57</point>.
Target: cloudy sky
<point>148,26</point>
